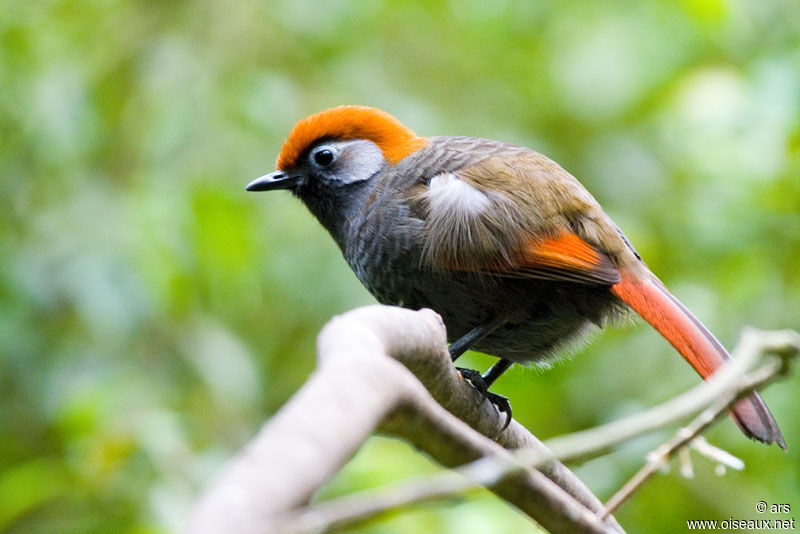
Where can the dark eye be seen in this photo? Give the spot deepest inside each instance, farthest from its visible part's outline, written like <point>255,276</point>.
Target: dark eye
<point>323,157</point>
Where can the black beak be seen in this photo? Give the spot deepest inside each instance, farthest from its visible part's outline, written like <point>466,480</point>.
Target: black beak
<point>274,180</point>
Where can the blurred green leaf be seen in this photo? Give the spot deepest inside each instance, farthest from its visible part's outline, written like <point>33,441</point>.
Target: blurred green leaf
<point>28,486</point>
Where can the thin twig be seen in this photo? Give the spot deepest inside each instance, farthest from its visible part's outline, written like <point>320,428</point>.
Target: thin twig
<point>715,454</point>
<point>684,436</point>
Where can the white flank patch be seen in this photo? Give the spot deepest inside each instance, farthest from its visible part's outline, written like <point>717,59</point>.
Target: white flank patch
<point>448,194</point>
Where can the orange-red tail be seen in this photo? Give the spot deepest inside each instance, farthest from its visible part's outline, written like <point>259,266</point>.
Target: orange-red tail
<point>650,299</point>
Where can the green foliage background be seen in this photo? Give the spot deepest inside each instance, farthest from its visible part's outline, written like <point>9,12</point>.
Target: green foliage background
<point>153,314</point>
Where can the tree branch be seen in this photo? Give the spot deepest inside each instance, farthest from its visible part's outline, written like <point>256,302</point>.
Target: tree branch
<point>357,389</point>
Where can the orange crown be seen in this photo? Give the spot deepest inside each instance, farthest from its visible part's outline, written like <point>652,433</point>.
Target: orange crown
<point>351,122</point>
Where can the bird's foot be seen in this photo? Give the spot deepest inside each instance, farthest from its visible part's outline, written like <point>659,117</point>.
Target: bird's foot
<point>479,383</point>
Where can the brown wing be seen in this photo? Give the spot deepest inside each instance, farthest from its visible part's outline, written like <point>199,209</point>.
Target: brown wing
<point>517,214</point>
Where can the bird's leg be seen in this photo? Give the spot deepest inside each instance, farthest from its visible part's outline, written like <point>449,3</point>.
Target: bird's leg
<point>460,345</point>
<point>494,372</point>
<point>479,381</point>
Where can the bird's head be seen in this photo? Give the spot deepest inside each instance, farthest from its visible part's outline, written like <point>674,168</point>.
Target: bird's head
<point>338,147</point>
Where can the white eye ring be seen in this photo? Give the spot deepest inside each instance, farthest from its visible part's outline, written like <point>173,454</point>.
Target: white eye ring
<point>323,156</point>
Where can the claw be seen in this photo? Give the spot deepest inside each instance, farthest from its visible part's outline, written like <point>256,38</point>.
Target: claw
<point>503,406</point>
<point>498,401</point>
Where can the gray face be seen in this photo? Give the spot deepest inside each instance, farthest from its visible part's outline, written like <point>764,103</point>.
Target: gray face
<point>338,163</point>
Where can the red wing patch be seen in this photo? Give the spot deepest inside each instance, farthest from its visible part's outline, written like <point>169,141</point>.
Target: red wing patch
<point>567,251</point>
<point>567,257</point>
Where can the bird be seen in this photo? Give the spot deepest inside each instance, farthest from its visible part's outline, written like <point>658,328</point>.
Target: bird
<point>511,250</point>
